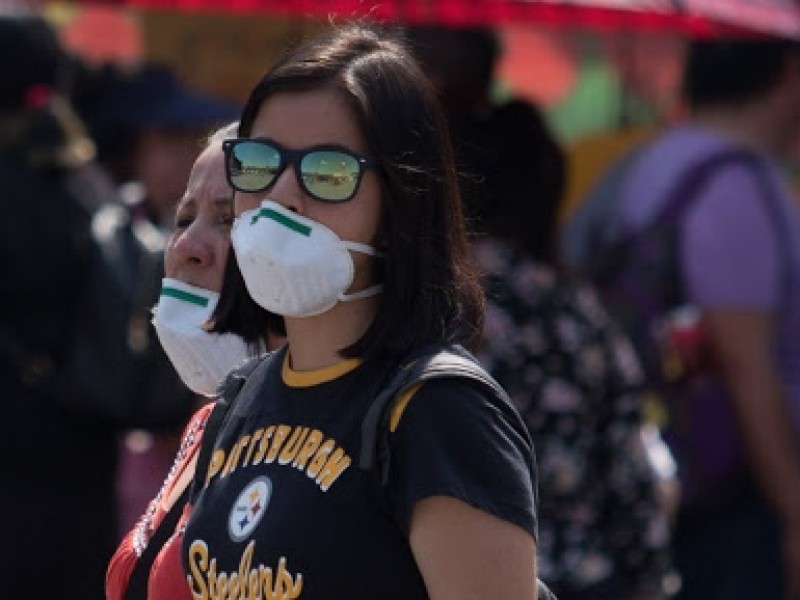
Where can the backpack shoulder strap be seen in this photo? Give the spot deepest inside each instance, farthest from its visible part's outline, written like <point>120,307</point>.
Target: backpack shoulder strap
<point>227,392</point>
<point>679,202</point>
<point>429,363</point>
<point>694,177</point>
<point>433,362</point>
<point>608,256</point>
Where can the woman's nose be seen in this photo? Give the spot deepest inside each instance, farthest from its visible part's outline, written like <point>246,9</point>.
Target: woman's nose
<point>287,192</point>
<point>192,249</point>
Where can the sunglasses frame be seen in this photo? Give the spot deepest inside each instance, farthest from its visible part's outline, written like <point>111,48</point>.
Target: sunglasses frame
<point>287,157</point>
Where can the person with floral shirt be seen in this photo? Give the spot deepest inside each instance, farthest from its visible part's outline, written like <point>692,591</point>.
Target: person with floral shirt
<point>604,527</point>
<point>602,532</point>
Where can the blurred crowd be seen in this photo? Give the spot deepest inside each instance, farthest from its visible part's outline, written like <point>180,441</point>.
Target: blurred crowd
<point>651,343</point>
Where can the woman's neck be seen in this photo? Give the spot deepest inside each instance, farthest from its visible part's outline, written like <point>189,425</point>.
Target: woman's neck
<point>315,342</point>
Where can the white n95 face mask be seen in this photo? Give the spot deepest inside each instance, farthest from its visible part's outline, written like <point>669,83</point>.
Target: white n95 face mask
<point>201,358</point>
<point>293,266</point>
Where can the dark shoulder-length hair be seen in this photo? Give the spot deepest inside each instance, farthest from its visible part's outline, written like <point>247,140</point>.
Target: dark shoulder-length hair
<point>431,290</point>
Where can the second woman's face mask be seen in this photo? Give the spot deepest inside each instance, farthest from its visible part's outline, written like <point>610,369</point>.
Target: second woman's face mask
<point>293,266</point>
<point>201,358</point>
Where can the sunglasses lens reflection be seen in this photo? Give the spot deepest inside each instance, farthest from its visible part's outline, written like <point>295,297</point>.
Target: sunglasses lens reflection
<point>330,175</point>
<point>253,166</point>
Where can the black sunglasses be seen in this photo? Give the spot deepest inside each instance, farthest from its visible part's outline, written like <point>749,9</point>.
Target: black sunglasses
<point>328,173</point>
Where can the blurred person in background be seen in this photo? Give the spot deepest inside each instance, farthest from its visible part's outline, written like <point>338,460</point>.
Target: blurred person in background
<point>604,530</point>
<point>577,383</point>
<point>149,128</point>
<point>58,487</point>
<point>732,295</point>
<point>460,63</point>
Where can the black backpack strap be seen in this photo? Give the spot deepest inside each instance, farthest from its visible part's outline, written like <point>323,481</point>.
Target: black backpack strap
<point>430,363</point>
<point>228,390</point>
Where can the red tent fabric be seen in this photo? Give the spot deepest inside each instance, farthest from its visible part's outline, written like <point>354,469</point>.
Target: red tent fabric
<point>697,17</point>
<point>775,17</point>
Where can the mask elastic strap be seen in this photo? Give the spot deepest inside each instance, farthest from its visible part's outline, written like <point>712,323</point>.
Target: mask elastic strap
<point>365,293</point>
<point>363,248</point>
<point>372,290</point>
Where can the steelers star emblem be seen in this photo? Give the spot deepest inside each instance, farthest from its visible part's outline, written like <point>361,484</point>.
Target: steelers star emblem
<point>249,508</point>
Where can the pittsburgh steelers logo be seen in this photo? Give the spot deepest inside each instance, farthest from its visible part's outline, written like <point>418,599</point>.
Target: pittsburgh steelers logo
<point>249,508</point>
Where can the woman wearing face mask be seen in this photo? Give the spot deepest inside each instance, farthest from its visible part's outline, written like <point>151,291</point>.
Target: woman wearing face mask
<point>349,228</point>
<point>194,264</point>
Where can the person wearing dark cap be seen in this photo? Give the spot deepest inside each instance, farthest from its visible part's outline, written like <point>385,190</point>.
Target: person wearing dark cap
<point>58,490</point>
<point>149,129</point>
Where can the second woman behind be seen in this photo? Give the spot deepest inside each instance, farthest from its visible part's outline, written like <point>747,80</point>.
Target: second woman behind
<point>194,260</point>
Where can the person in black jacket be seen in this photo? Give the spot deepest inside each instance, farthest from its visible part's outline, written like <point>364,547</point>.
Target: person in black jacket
<point>59,466</point>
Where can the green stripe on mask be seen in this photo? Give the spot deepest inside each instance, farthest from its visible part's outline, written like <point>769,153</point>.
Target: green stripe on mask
<point>185,296</point>
<point>283,220</point>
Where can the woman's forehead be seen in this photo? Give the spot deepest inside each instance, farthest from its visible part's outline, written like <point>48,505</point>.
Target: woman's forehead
<point>208,170</point>
<point>308,118</point>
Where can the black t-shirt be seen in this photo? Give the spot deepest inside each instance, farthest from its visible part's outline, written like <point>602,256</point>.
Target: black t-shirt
<point>286,508</point>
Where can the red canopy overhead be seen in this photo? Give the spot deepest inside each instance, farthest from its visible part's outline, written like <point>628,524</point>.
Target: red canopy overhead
<point>698,17</point>
<point>774,17</point>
